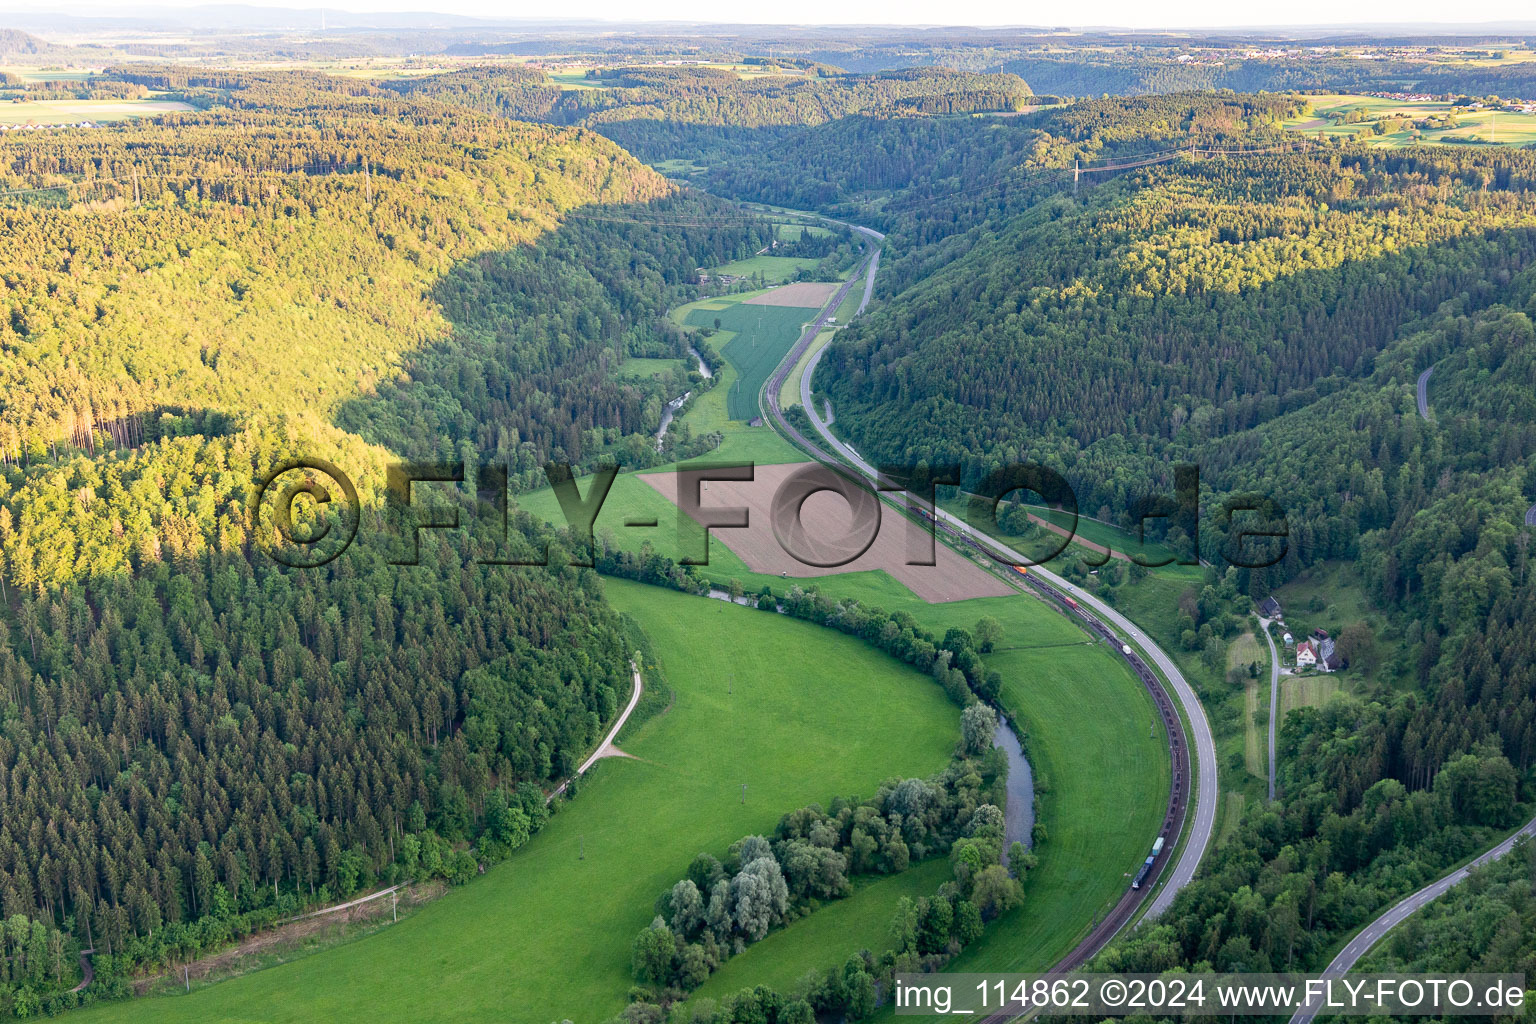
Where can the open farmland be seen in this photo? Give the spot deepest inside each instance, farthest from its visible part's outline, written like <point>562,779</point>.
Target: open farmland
<point>771,269</point>
<point>74,111</point>
<point>760,335</point>
<point>1470,127</point>
<point>826,516</point>
<point>549,930</point>
<point>805,294</point>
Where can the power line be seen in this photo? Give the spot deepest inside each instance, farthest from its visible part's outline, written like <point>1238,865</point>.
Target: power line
<point>1051,176</point>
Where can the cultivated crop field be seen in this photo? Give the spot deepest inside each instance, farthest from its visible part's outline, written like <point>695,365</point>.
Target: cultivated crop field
<point>546,934</point>
<point>759,338</point>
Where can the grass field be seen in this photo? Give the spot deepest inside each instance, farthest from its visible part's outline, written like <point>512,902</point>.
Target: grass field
<point>1484,126</point>
<point>792,232</point>
<point>1086,529</point>
<point>1086,722</point>
<point>1153,604</point>
<point>775,269</point>
<point>635,367</point>
<point>1311,690</point>
<point>546,935</point>
<point>850,305</point>
<point>677,167</point>
<point>72,111</point>
<point>1330,596</point>
<point>1102,778</point>
<point>828,936</point>
<point>789,393</point>
<point>1246,650</point>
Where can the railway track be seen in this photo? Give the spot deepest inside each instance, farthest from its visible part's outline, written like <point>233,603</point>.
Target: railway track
<point>1181,793</point>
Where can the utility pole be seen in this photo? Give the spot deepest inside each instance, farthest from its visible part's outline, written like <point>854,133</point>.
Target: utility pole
<point>1076,170</point>
<point>743,792</point>
<point>394,904</point>
<point>186,978</point>
<point>583,854</point>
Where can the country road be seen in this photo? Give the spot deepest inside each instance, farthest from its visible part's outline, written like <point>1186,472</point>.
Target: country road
<point>1274,700</point>
<point>1204,746</point>
<point>1401,911</point>
<point>606,748</point>
<point>1205,743</point>
<point>1423,393</point>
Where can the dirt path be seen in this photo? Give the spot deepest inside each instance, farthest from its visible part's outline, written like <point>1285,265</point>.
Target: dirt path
<point>87,972</point>
<point>293,934</point>
<point>606,748</point>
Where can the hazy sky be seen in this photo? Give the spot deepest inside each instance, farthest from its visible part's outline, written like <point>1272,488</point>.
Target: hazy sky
<point>1124,13</point>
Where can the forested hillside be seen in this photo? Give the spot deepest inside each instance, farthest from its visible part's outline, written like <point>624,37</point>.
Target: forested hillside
<point>716,96</point>
<point>194,740</point>
<point>203,308</point>
<point>1265,317</point>
<point>1136,72</point>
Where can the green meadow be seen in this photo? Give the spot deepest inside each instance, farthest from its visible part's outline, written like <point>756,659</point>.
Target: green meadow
<point>774,269</point>
<point>795,712</point>
<point>1474,127</point>
<point>73,111</point>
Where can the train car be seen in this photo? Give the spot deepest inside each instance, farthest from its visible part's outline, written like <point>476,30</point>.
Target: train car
<point>1141,876</point>
<point>1070,603</point>
<point>1157,847</point>
<point>1022,570</point>
<point>1126,650</point>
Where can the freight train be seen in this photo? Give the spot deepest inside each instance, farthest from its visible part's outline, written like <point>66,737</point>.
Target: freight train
<point>1141,876</point>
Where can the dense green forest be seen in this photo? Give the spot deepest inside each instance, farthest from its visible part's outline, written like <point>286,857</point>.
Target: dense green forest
<point>453,251</point>
<point>1484,924</point>
<point>195,741</point>
<point>1264,317</point>
<point>717,96</point>
<point>1139,71</point>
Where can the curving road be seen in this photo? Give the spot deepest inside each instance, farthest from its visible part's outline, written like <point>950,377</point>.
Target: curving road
<point>1530,516</point>
<point>1377,929</point>
<point>1274,700</point>
<point>1423,392</point>
<point>1205,800</point>
<point>606,748</point>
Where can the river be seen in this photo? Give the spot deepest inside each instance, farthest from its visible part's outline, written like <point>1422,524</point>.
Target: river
<point>667,414</point>
<point>1019,816</point>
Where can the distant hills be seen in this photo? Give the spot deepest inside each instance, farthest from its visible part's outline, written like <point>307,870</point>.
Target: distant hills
<point>15,41</point>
